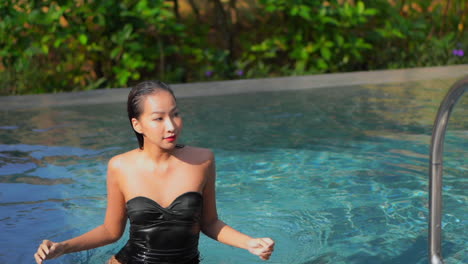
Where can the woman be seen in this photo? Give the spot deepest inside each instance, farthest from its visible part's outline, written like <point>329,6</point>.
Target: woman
<point>166,190</point>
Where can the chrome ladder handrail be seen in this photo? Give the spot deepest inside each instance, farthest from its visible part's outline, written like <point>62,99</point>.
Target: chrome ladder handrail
<point>435,170</point>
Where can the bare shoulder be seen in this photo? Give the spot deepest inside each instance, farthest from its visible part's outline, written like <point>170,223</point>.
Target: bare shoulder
<point>121,161</point>
<point>197,155</point>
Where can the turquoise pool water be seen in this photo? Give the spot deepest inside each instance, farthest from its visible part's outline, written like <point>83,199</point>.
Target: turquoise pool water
<point>333,175</point>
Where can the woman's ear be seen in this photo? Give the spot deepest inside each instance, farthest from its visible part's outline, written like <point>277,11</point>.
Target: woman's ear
<point>136,125</point>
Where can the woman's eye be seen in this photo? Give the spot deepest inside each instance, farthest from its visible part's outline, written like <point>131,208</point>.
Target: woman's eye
<point>157,119</point>
<point>176,114</point>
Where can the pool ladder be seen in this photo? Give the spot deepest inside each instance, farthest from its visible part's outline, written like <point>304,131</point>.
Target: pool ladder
<point>435,171</point>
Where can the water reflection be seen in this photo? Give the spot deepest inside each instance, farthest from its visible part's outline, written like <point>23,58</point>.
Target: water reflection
<point>339,175</point>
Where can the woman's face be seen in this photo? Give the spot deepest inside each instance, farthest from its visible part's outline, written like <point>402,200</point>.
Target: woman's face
<point>160,122</point>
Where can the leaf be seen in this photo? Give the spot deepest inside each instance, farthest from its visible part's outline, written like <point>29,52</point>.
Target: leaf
<point>328,44</point>
<point>360,7</point>
<point>127,31</point>
<point>270,8</point>
<point>330,20</point>
<point>326,53</point>
<point>294,11</point>
<point>45,38</point>
<point>95,84</point>
<point>397,33</point>
<point>371,12</point>
<point>57,42</point>
<point>304,12</point>
<point>300,66</point>
<point>136,76</point>
<point>339,40</point>
<point>321,64</point>
<point>83,39</point>
<point>115,52</point>
<point>45,49</point>
<point>345,59</point>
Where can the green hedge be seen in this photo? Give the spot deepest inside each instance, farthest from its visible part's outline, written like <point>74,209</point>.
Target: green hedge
<point>65,45</point>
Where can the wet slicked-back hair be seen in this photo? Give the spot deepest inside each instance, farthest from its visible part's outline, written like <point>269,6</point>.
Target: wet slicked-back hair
<point>136,97</point>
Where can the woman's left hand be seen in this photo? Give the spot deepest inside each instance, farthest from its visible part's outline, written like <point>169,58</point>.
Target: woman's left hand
<point>262,247</point>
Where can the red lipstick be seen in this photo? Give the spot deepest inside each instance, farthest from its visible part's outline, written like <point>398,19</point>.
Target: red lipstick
<point>171,138</point>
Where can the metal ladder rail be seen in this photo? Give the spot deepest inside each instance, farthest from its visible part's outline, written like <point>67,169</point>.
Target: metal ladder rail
<point>435,170</point>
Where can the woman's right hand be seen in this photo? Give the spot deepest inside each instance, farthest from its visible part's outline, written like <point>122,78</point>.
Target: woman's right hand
<point>48,250</point>
<point>262,247</point>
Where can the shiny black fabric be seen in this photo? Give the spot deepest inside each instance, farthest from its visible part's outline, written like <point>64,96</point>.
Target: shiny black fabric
<point>161,235</point>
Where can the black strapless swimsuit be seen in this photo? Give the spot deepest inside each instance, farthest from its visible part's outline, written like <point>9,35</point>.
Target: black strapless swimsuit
<point>161,235</point>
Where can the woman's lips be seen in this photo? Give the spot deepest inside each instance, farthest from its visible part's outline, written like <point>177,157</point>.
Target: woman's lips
<point>171,138</point>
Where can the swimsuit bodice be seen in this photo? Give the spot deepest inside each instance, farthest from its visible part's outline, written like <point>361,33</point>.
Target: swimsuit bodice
<point>163,234</point>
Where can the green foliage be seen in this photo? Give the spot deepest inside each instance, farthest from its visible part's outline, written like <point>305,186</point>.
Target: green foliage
<point>84,45</point>
<point>66,45</point>
<point>315,37</point>
<point>415,39</point>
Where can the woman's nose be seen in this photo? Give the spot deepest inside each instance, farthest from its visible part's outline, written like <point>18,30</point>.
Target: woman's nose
<point>170,125</point>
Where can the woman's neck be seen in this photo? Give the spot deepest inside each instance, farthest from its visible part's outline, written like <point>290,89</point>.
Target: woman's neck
<point>156,154</point>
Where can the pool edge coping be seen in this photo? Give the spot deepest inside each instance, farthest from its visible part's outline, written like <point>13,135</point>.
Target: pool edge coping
<point>230,87</point>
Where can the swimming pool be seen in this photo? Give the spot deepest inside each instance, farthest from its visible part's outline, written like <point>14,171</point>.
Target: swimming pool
<point>333,175</point>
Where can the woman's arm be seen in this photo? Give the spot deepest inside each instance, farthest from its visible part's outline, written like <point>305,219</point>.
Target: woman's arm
<point>218,230</point>
<point>110,231</point>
